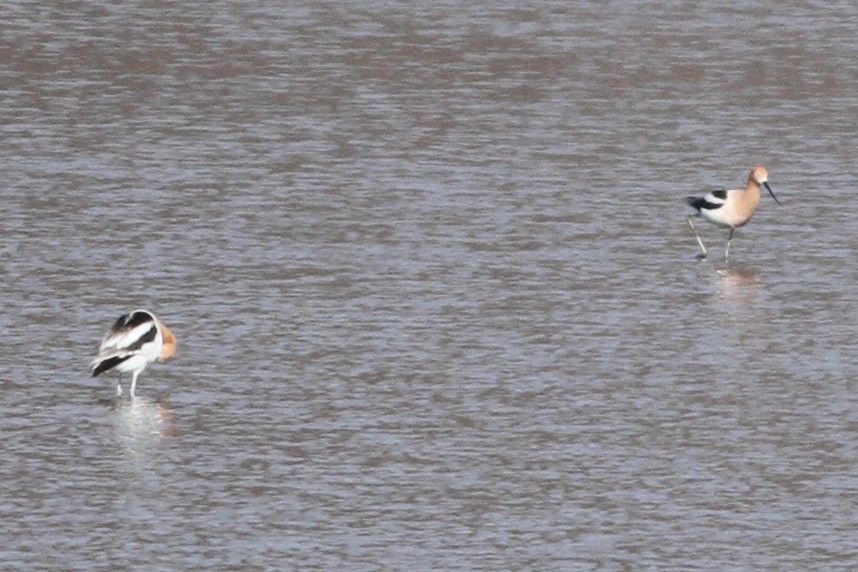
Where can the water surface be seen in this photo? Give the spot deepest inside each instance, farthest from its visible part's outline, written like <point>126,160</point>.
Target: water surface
<point>436,301</point>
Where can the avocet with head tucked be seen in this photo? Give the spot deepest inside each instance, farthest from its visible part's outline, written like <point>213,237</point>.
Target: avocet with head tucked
<point>730,209</point>
<point>135,340</point>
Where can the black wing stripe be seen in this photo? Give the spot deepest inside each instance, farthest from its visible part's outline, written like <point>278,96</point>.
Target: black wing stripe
<point>130,321</point>
<point>137,318</point>
<point>108,364</point>
<point>701,202</point>
<point>145,338</point>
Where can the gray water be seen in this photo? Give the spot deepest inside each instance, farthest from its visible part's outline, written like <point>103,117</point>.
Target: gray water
<point>436,301</point>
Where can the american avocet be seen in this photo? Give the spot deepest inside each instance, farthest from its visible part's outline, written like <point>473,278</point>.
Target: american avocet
<point>730,209</point>
<point>135,340</point>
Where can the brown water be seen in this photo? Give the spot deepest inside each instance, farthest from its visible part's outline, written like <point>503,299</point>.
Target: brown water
<point>437,304</point>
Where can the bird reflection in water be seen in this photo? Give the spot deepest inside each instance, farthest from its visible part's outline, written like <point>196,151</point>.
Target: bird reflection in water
<point>142,420</point>
<point>738,284</point>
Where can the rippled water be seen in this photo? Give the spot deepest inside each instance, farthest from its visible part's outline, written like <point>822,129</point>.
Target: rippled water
<point>436,301</point>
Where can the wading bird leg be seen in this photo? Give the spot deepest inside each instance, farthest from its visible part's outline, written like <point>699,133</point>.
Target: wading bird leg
<point>702,255</point>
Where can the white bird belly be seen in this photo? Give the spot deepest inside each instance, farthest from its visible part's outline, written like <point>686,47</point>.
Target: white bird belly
<point>726,216</point>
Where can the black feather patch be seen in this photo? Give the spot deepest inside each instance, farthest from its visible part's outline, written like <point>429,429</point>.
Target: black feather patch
<point>145,338</point>
<point>701,202</point>
<point>134,319</point>
<point>108,364</point>
<point>695,202</point>
<point>119,323</point>
<point>130,321</point>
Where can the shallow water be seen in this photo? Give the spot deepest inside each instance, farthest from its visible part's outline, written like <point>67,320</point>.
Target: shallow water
<point>436,301</point>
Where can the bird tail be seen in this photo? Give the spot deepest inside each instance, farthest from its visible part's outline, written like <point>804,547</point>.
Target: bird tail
<point>695,202</point>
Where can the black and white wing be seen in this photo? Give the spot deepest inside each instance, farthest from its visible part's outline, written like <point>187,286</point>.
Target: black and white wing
<point>711,200</point>
<point>127,337</point>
